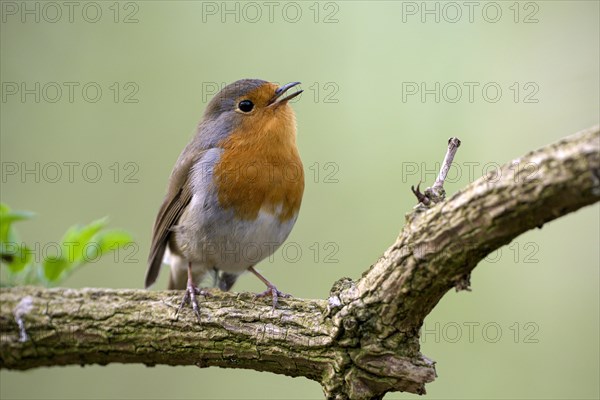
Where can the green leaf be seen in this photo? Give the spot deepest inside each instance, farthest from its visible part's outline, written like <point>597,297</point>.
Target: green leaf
<point>104,242</point>
<point>113,239</point>
<point>7,217</point>
<point>16,257</point>
<point>80,244</point>
<point>6,214</point>
<point>77,237</point>
<point>54,268</point>
<point>80,248</point>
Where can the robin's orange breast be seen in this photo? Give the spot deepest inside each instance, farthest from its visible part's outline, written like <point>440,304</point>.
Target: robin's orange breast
<point>260,168</point>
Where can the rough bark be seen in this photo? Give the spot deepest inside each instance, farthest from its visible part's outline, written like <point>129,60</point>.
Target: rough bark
<point>359,343</point>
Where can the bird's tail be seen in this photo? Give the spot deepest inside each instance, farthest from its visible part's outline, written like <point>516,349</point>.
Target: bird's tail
<point>226,281</point>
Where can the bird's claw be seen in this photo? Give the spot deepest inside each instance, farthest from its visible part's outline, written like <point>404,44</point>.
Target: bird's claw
<point>191,292</point>
<point>275,293</point>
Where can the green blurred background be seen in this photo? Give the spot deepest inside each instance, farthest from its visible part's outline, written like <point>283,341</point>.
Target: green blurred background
<point>529,329</point>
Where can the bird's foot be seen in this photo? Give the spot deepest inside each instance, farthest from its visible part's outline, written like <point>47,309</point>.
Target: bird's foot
<point>274,293</point>
<point>190,296</point>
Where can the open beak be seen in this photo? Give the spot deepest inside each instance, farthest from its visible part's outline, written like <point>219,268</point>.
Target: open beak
<point>277,100</point>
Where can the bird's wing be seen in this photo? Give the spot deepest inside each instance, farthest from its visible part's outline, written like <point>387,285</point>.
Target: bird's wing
<point>178,196</point>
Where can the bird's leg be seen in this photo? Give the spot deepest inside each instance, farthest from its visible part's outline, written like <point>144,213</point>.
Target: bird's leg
<point>190,295</point>
<point>271,289</point>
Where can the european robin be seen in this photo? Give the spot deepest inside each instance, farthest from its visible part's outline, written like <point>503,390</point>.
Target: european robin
<point>234,193</point>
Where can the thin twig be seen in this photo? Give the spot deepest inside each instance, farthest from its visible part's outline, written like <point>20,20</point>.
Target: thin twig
<point>453,145</point>
<point>436,193</point>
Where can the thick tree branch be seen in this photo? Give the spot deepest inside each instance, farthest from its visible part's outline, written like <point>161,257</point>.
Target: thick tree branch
<point>361,342</point>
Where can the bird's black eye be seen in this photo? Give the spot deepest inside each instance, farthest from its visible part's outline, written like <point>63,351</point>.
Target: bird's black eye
<point>246,106</point>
